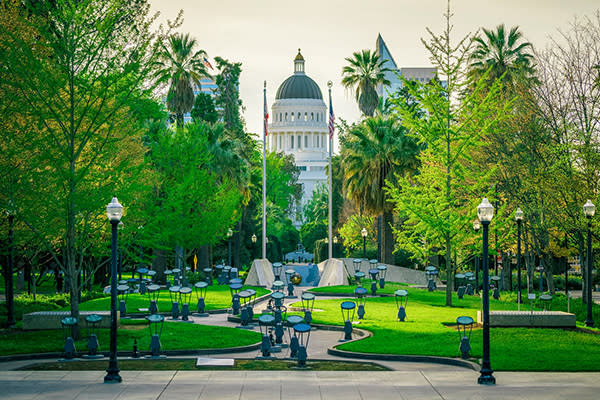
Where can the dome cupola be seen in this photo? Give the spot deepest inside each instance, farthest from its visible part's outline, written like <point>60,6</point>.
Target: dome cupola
<point>299,85</point>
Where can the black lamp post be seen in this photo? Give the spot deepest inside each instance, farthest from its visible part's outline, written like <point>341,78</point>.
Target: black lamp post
<point>335,242</point>
<point>589,209</point>
<point>476,227</point>
<point>120,227</point>
<point>229,235</point>
<point>114,210</point>
<point>254,239</point>
<point>485,212</point>
<point>519,218</point>
<point>364,236</point>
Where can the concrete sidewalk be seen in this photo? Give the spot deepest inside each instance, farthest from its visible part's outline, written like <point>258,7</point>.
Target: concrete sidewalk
<point>431,383</point>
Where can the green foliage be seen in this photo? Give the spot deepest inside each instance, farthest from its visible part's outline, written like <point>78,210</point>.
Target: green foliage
<point>204,109</point>
<point>351,232</point>
<point>228,97</point>
<point>311,232</point>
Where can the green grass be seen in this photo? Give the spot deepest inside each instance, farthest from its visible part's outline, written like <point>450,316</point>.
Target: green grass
<point>430,330</point>
<point>175,336</point>
<point>217,297</point>
<point>190,365</point>
<point>389,288</point>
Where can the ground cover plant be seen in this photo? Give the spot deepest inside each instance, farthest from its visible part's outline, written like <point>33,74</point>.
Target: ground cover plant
<point>430,329</point>
<point>175,336</point>
<point>217,297</point>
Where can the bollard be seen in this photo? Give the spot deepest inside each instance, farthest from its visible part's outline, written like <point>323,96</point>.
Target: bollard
<point>463,323</point>
<point>348,310</point>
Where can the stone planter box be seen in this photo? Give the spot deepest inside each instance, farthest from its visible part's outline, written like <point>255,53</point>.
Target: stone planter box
<point>537,319</point>
<point>51,319</point>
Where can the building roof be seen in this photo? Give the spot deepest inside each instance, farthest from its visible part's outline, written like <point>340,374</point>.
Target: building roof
<point>299,85</point>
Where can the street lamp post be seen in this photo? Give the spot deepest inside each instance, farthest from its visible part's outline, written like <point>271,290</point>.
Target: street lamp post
<point>335,242</point>
<point>589,209</point>
<point>114,211</point>
<point>485,212</point>
<point>476,227</point>
<point>254,238</point>
<point>519,218</point>
<point>229,235</point>
<point>363,232</point>
<point>120,227</point>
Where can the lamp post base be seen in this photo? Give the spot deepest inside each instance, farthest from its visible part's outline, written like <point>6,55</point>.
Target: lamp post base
<point>486,378</point>
<point>113,377</point>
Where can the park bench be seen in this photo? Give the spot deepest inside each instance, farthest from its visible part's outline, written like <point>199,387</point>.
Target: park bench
<point>52,319</point>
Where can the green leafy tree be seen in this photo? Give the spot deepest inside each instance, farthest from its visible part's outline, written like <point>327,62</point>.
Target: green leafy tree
<point>180,66</point>
<point>228,97</point>
<point>376,151</point>
<point>75,84</point>
<point>204,109</point>
<point>439,204</point>
<point>365,70</point>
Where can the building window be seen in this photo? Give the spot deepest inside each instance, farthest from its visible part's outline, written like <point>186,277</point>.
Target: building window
<point>312,116</point>
<point>317,137</point>
<point>306,116</point>
<point>279,117</point>
<point>292,117</point>
<point>317,117</point>
<point>302,167</point>
<point>306,141</point>
<point>298,116</point>
<point>299,141</point>
<point>280,142</point>
<point>292,144</point>
<point>286,116</point>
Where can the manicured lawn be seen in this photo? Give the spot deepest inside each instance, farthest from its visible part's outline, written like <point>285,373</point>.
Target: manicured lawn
<point>217,297</point>
<point>429,330</point>
<point>389,288</point>
<point>175,336</point>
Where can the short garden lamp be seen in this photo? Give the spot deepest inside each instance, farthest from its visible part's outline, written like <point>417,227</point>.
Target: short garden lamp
<point>142,282</point>
<point>290,285</point>
<point>123,291</point>
<point>361,299</point>
<point>363,233</point>
<point>470,279</point>
<point>92,321</point>
<point>68,323</point>
<point>302,331</point>
<point>292,321</point>
<point>185,294</point>
<point>208,275</point>
<point>225,274</point>
<point>265,324</point>
<point>234,289</point>
<point>277,266</point>
<point>374,272</point>
<point>308,302</point>
<point>251,302</point>
<point>201,288</point>
<point>358,276</point>
<point>431,272</point>
<point>156,325</point>
<point>153,295</point>
<point>401,297</point>
<point>357,262</point>
<point>174,296</point>
<point>348,311</point>
<point>464,325</point>
<point>496,283</point>
<point>546,299</point>
<point>278,286</point>
<point>177,276</point>
<point>382,273</point>
<point>245,317</point>
<point>168,277</point>
<point>460,282</point>
<point>219,268</point>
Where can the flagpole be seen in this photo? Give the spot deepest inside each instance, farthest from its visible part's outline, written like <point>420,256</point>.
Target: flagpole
<point>264,182</point>
<point>330,247</point>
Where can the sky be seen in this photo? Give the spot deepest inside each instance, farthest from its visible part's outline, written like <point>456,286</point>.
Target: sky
<point>265,35</point>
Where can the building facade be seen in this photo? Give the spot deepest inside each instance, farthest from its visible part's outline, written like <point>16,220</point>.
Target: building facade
<point>299,127</point>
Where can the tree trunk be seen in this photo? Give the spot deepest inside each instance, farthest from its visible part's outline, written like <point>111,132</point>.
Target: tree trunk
<point>388,238</point>
<point>159,264</point>
<point>449,272</point>
<point>204,257</point>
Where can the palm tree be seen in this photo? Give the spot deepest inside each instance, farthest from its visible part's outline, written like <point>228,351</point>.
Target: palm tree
<point>375,152</point>
<point>181,67</point>
<point>502,53</point>
<point>364,72</point>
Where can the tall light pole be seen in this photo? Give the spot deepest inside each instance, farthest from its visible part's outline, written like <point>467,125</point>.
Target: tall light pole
<point>589,209</point>
<point>120,227</point>
<point>114,211</point>
<point>485,212</point>
<point>229,235</point>
<point>476,227</point>
<point>363,232</point>
<point>519,218</point>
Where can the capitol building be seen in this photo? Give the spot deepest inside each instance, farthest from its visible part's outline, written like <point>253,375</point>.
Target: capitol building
<point>299,127</point>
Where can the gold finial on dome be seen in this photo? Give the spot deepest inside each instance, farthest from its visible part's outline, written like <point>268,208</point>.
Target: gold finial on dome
<point>299,63</point>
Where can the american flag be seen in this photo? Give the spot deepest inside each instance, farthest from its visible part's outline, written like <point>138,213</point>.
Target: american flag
<point>207,63</point>
<point>331,120</point>
<point>266,111</point>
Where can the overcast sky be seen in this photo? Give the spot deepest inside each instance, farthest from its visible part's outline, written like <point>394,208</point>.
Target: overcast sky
<point>264,35</point>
